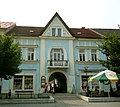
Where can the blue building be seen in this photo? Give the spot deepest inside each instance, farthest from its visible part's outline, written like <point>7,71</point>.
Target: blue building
<point>67,56</point>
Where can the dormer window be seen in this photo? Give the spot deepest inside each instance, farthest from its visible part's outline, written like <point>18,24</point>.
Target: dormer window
<point>59,31</point>
<point>56,31</point>
<point>53,31</point>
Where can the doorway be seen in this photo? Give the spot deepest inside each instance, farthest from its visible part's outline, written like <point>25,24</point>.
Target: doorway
<point>60,82</point>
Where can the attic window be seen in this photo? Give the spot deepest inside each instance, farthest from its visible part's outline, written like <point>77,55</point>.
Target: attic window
<point>56,31</point>
<point>31,31</point>
<point>79,33</point>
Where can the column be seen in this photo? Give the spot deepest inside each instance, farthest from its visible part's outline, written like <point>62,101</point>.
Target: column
<point>71,57</point>
<point>42,58</point>
<point>71,66</point>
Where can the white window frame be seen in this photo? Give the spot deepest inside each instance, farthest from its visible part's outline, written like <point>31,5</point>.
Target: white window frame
<point>94,55</point>
<point>59,54</point>
<point>83,54</point>
<point>56,31</point>
<point>23,82</point>
<point>30,54</point>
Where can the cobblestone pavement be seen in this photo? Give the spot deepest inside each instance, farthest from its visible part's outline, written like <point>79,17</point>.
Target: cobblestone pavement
<point>65,101</point>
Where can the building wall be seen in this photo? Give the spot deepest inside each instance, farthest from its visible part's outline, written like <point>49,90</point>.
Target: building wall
<point>64,44</point>
<point>39,66</point>
<point>92,66</point>
<point>40,47</point>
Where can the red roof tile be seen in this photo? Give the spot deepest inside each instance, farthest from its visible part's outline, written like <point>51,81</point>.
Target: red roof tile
<point>5,25</point>
<point>26,31</point>
<point>85,33</point>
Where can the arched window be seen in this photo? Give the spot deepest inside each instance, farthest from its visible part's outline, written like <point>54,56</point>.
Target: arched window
<point>56,54</point>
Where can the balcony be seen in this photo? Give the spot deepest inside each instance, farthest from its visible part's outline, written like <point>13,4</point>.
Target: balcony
<point>58,64</point>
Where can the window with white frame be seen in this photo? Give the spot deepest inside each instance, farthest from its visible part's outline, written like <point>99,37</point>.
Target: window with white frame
<point>82,55</point>
<point>53,31</point>
<point>17,82</point>
<point>56,54</point>
<point>59,31</point>
<point>56,31</point>
<point>93,54</point>
<point>22,82</point>
<point>30,54</point>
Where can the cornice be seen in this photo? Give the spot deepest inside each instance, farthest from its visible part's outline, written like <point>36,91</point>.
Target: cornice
<point>56,38</point>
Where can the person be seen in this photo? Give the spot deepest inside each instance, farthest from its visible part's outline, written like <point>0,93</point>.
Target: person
<point>9,94</point>
<point>53,87</point>
<point>46,87</point>
<point>88,91</point>
<point>84,86</point>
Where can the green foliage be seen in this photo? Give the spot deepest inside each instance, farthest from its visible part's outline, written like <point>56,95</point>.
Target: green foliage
<point>10,57</point>
<point>110,46</point>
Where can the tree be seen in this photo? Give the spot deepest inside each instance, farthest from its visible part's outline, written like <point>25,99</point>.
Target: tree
<point>10,57</point>
<point>110,46</point>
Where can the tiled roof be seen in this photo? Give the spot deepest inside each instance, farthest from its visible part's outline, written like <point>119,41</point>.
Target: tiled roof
<point>85,33</point>
<point>5,25</point>
<point>26,31</point>
<point>103,31</point>
<point>36,31</point>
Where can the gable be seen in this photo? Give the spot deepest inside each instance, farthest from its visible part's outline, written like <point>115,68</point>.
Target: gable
<point>56,27</point>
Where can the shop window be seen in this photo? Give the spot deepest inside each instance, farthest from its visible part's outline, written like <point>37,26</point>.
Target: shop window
<point>23,82</point>
<point>28,82</point>
<point>18,82</point>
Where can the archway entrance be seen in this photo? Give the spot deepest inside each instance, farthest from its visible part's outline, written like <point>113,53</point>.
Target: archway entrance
<point>60,82</point>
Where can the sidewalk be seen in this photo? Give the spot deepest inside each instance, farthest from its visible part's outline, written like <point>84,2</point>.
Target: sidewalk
<point>99,99</point>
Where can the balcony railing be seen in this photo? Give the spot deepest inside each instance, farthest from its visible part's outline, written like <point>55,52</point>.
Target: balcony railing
<point>58,63</point>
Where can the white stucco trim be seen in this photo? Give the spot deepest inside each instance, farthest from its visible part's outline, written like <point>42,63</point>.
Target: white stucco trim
<point>42,58</point>
<point>68,77</point>
<point>23,74</point>
<point>71,57</point>
<point>86,55</point>
<point>65,53</point>
<point>98,56</point>
<point>34,54</point>
<point>59,71</point>
<point>26,54</point>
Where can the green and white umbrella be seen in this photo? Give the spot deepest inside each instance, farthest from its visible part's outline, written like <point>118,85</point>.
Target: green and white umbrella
<point>106,75</point>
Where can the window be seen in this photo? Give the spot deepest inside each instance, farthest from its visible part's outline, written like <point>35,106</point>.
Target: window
<point>28,81</point>
<point>57,54</point>
<point>31,54</point>
<point>59,31</point>
<point>53,31</point>
<point>82,55</point>
<point>18,82</point>
<point>23,82</point>
<point>93,55</point>
<point>56,31</point>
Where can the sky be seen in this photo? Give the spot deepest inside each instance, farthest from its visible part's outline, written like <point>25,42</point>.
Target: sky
<point>75,13</point>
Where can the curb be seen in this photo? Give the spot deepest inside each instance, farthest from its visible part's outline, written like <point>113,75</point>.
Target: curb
<point>27,101</point>
<point>99,99</point>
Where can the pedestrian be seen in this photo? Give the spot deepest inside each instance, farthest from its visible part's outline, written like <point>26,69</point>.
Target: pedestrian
<point>53,87</point>
<point>46,88</point>
<point>9,94</point>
